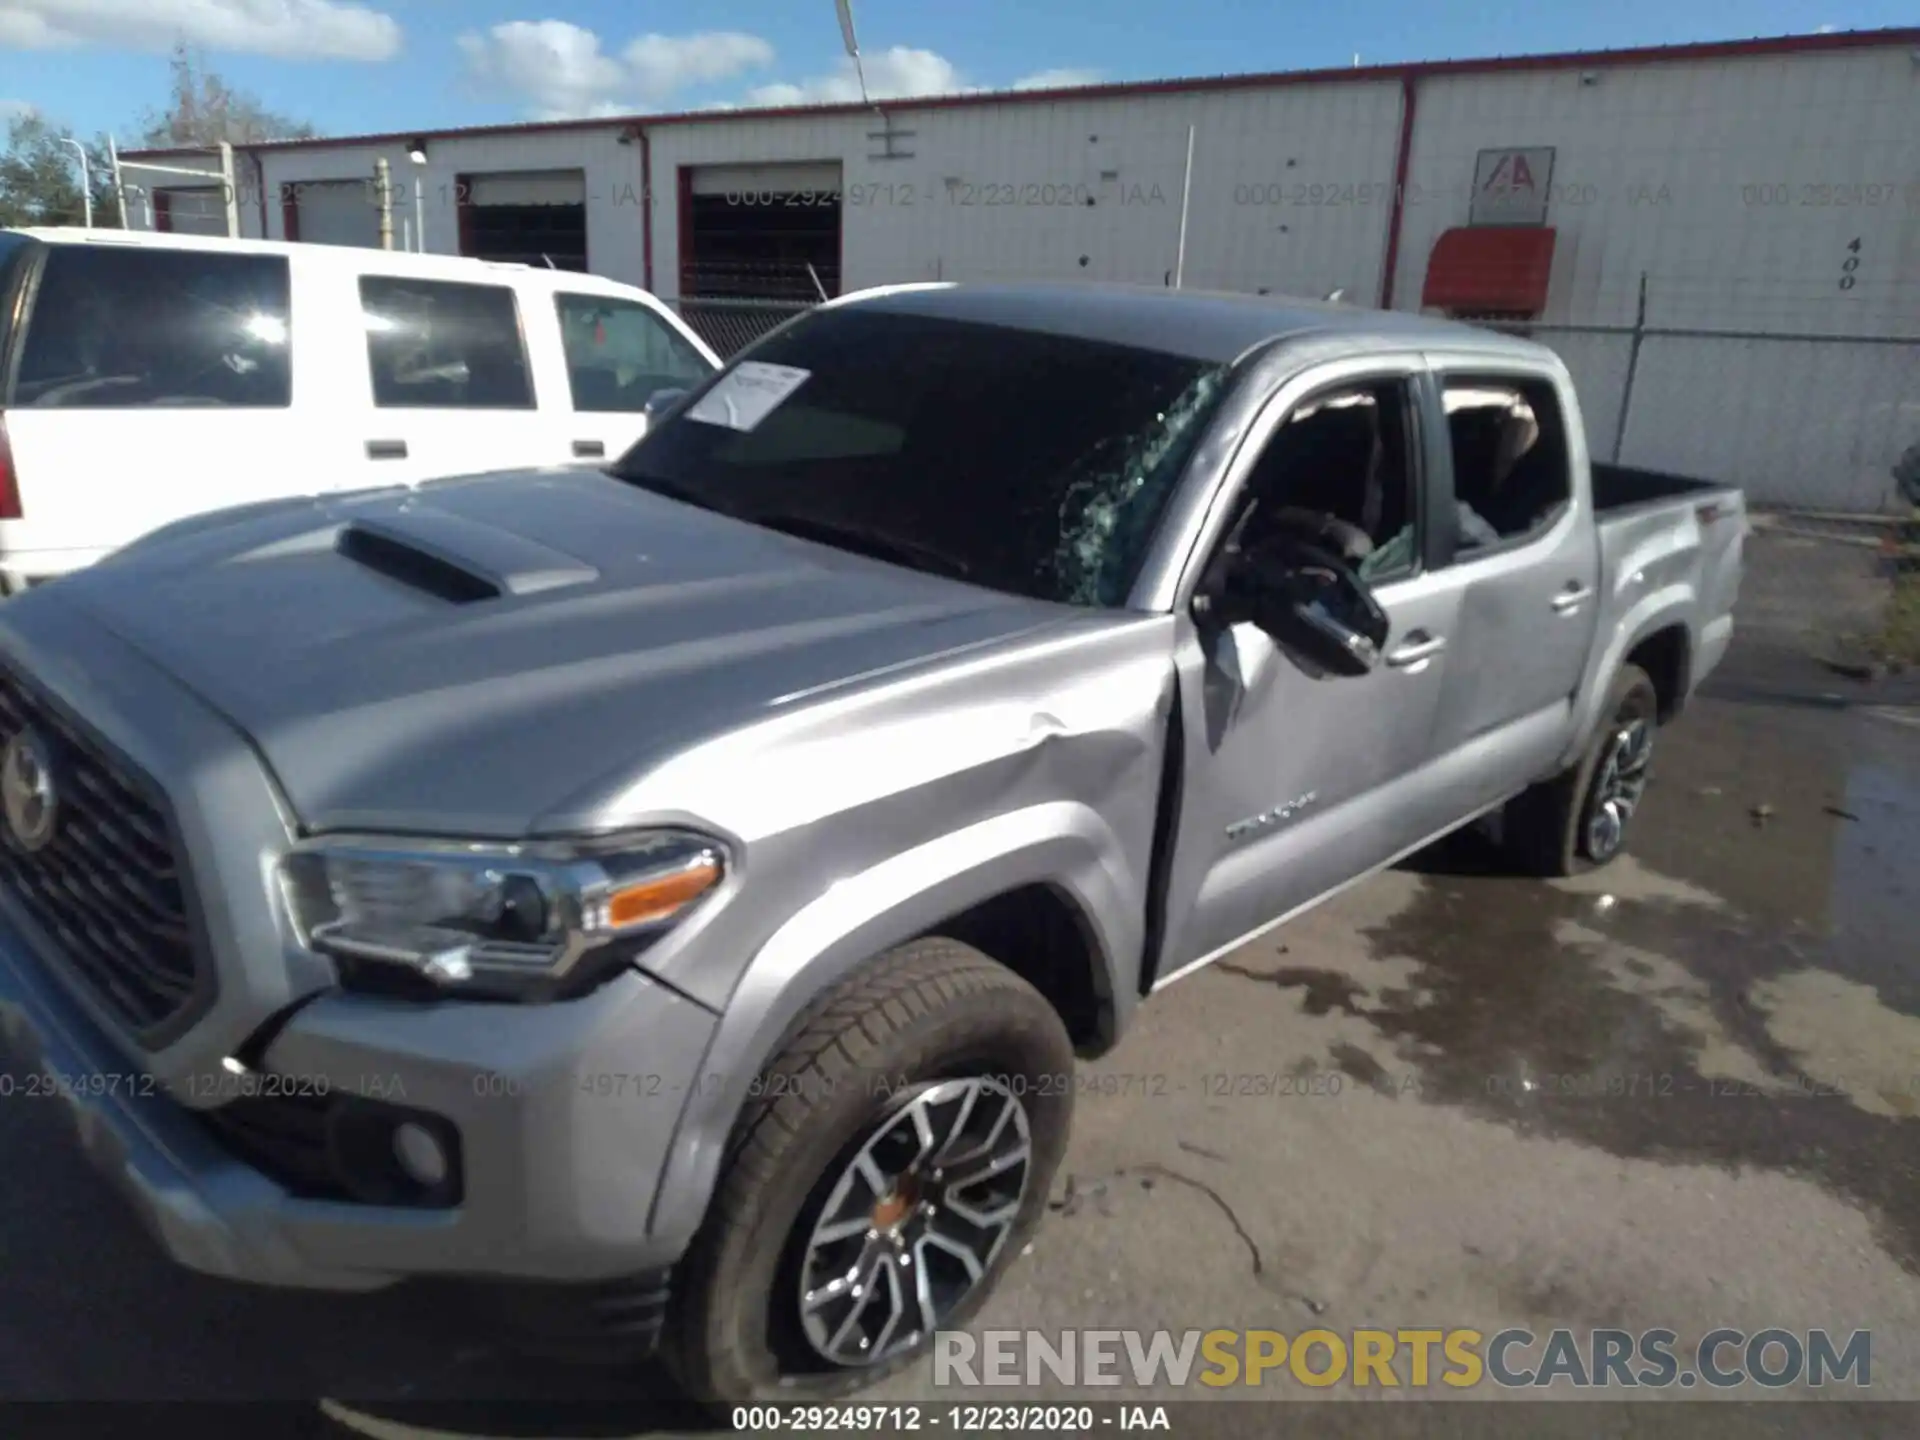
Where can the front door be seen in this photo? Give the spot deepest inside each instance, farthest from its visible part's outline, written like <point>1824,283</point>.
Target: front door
<point>1295,781</point>
<point>617,354</point>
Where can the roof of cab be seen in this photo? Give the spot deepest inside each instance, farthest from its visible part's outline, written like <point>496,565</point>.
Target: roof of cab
<point>354,257</point>
<point>1213,326</point>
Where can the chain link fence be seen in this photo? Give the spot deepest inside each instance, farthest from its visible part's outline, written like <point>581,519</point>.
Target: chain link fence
<point>729,326</point>
<point>1803,417</point>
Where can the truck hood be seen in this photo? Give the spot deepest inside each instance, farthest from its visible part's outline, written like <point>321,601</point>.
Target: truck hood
<point>484,656</point>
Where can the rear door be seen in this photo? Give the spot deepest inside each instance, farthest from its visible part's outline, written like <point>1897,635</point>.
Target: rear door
<point>150,384</point>
<point>618,352</point>
<point>450,379</point>
<point>1519,543</point>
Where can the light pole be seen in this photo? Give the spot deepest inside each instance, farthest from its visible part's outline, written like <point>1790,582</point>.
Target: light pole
<point>852,41</point>
<point>418,155</point>
<point>86,178</point>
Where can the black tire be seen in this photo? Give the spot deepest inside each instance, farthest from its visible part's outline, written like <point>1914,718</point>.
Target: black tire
<point>931,1009</point>
<point>1545,829</point>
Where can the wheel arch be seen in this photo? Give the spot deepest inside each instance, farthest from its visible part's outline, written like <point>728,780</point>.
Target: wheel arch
<point>1655,629</point>
<point>1055,867</point>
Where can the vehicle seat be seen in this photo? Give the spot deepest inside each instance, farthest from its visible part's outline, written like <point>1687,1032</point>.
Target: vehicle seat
<point>595,387</point>
<point>1526,487</point>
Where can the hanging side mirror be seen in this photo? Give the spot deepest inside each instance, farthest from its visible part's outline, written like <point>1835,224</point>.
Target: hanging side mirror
<point>1311,603</point>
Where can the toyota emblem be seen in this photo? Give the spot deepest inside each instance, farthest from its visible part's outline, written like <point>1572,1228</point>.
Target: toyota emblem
<point>27,790</point>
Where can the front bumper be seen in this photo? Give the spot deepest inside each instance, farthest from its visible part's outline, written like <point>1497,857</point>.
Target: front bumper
<point>565,1114</point>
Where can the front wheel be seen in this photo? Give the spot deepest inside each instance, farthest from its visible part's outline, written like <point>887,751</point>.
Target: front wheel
<point>897,1158</point>
<point>1579,820</point>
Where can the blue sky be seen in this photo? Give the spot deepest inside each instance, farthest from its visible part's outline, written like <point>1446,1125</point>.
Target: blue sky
<point>354,66</point>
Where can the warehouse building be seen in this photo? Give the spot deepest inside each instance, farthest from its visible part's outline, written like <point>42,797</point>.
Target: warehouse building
<point>1723,240</point>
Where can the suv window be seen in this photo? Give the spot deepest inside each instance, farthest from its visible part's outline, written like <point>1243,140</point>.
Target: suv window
<point>1339,471</point>
<point>122,327</point>
<point>444,344</point>
<point>619,352</point>
<point>1511,477</point>
<point>1026,462</point>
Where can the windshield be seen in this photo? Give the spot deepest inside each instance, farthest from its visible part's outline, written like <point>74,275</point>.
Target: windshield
<point>1031,463</point>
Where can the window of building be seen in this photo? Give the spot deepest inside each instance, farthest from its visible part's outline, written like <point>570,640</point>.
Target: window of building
<point>444,344</point>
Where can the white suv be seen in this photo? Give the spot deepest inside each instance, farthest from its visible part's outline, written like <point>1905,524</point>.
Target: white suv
<point>148,377</point>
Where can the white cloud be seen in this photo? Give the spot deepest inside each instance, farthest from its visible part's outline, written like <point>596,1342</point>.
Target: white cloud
<point>561,71</point>
<point>1064,79</point>
<point>1825,29</point>
<point>892,74</point>
<point>294,29</point>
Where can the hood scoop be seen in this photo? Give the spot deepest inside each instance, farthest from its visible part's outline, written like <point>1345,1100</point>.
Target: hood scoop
<point>455,559</point>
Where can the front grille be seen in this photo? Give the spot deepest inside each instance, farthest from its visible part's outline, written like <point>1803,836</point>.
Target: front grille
<point>108,888</point>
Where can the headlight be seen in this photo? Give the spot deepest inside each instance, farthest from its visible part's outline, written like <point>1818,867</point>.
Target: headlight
<point>535,920</point>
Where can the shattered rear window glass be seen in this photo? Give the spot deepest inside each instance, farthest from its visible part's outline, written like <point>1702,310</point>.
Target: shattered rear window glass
<point>1031,463</point>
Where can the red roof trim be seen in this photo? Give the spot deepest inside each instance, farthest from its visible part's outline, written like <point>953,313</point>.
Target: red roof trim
<point>1782,45</point>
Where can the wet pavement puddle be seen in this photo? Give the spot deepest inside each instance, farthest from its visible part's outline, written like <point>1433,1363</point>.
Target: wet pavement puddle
<point>1741,990</point>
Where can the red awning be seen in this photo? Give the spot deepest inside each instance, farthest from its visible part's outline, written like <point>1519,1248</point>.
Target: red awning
<point>1490,269</point>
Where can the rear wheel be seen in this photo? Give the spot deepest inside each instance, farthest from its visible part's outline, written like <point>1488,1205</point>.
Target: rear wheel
<point>897,1158</point>
<point>1579,820</point>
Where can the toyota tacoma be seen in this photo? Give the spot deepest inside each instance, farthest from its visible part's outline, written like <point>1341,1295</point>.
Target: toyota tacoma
<point>676,895</point>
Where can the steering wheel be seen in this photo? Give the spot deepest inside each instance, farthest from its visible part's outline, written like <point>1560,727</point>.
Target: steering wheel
<point>1316,527</point>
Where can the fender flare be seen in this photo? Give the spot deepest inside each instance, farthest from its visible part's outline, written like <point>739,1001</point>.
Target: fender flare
<point>1658,610</point>
<point>1064,845</point>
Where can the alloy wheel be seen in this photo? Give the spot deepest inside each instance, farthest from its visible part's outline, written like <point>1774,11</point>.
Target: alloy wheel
<point>1618,787</point>
<point>915,1221</point>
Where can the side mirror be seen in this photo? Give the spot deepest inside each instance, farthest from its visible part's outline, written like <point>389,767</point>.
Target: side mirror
<point>1312,604</point>
<point>661,401</point>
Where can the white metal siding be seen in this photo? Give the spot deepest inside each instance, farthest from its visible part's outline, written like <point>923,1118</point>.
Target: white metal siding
<point>530,187</point>
<point>611,173</point>
<point>753,180</point>
<point>338,212</point>
<point>194,210</point>
<point>1736,187</point>
<point>1704,176</point>
<point>999,192</point>
<point>1656,169</point>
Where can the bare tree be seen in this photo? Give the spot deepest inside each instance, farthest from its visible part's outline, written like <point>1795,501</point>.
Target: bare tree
<point>202,110</point>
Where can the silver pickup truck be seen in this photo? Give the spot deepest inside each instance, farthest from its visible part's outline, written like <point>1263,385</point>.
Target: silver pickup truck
<point>674,897</point>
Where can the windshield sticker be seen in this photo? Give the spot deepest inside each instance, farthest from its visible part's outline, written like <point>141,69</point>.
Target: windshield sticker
<point>747,394</point>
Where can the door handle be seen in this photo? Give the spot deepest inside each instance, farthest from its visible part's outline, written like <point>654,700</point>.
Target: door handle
<point>590,449</point>
<point>386,449</point>
<point>1571,598</point>
<point>1416,647</point>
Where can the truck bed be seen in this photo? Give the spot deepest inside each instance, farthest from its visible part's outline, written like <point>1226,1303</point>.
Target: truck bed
<point>1661,533</point>
<point>1619,487</point>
